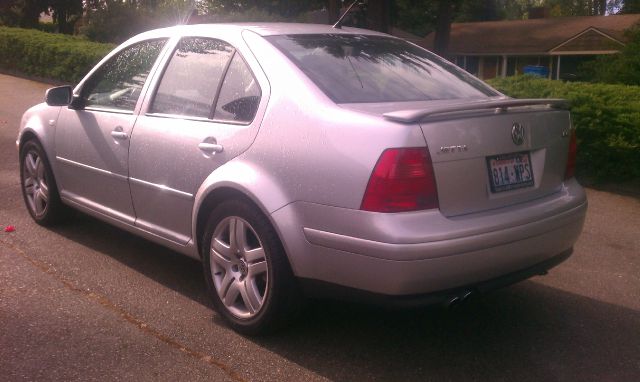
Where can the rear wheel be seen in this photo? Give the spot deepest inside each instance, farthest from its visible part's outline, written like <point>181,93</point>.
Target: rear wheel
<point>247,272</point>
<point>39,188</point>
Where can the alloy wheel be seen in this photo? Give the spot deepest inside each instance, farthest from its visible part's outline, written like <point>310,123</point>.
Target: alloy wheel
<point>35,183</point>
<point>239,267</point>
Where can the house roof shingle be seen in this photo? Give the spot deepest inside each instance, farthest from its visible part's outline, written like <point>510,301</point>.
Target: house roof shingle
<point>529,36</point>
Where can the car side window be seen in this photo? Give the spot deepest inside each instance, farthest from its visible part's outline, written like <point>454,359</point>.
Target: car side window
<point>240,94</point>
<point>118,83</point>
<point>192,77</point>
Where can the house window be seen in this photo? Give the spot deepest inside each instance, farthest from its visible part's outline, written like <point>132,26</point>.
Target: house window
<point>473,64</point>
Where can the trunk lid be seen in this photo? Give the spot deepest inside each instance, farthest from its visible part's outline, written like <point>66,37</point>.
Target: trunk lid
<point>487,160</point>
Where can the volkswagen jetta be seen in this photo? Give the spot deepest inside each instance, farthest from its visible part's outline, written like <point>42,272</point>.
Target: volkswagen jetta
<point>298,160</point>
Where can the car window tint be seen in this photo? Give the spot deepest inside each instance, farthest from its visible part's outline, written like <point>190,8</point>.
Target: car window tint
<point>361,68</point>
<point>240,94</point>
<point>118,83</point>
<point>191,80</point>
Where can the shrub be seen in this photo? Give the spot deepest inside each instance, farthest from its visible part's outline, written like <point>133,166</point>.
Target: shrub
<point>48,55</point>
<point>47,27</point>
<point>621,68</point>
<point>606,118</point>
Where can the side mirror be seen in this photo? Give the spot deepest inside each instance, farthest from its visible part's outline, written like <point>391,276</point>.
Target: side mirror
<point>58,96</point>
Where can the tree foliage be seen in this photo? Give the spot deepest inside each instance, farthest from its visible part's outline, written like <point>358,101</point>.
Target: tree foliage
<point>283,8</point>
<point>22,13</point>
<point>26,13</point>
<point>115,20</point>
<point>631,6</point>
<point>65,13</point>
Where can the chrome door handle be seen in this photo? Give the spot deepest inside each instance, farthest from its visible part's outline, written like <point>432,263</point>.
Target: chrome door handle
<point>119,134</point>
<point>211,147</point>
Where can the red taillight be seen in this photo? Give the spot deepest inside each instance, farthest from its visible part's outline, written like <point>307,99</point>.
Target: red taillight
<point>570,170</point>
<point>402,180</point>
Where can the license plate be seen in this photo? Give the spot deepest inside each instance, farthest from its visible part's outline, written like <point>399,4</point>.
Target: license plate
<point>510,171</point>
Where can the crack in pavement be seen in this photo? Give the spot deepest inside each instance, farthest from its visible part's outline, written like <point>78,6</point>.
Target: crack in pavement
<point>138,323</point>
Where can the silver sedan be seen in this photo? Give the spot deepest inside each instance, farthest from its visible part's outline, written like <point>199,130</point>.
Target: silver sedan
<point>304,160</point>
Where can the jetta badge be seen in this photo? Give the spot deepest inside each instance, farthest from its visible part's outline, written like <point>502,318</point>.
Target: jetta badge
<point>517,133</point>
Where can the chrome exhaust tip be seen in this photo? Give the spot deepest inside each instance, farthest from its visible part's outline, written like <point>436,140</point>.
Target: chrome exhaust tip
<point>453,302</point>
<point>458,299</point>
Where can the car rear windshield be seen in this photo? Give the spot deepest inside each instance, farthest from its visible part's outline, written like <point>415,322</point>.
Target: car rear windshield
<point>363,68</point>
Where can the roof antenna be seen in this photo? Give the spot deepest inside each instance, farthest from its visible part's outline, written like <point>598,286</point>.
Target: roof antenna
<point>338,24</point>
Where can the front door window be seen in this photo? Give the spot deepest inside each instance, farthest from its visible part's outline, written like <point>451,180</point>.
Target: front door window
<point>118,83</point>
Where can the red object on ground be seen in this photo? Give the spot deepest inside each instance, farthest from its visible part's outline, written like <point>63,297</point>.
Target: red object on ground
<point>9,228</point>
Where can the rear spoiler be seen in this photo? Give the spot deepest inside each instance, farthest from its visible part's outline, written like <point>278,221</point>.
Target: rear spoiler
<point>500,105</point>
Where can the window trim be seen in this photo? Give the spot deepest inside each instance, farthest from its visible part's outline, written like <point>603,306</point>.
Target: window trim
<point>109,110</point>
<point>197,119</point>
<point>223,77</point>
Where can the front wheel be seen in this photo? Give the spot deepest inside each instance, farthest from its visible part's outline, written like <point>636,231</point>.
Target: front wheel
<point>39,188</point>
<point>247,272</point>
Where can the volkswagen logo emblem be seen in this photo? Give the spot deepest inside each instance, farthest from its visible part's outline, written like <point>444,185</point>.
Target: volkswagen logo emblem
<point>517,133</point>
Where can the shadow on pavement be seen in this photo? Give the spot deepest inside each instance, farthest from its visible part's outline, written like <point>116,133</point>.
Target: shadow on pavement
<point>525,332</point>
<point>175,271</point>
<point>626,188</point>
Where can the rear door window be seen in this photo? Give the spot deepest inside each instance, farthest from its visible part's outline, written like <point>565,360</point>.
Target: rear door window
<point>207,78</point>
<point>192,78</point>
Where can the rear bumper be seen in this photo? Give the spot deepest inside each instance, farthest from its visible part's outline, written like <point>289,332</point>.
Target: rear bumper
<point>538,230</point>
<point>320,289</point>
<point>420,253</point>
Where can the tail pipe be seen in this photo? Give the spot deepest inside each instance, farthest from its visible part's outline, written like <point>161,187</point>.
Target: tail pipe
<point>459,298</point>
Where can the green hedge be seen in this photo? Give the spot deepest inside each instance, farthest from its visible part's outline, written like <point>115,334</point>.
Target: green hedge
<point>48,55</point>
<point>606,117</point>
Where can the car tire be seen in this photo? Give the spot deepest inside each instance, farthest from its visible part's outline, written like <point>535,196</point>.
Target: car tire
<point>246,269</point>
<point>39,188</point>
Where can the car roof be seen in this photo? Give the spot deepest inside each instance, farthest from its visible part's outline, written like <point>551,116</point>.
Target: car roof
<point>263,29</point>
